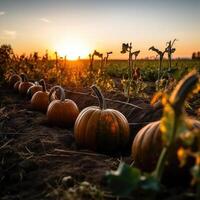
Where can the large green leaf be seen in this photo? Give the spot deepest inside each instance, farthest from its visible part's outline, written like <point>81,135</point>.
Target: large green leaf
<point>149,183</point>
<point>172,125</point>
<point>124,180</point>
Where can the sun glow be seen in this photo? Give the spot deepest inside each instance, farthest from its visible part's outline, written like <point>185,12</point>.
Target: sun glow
<point>72,49</point>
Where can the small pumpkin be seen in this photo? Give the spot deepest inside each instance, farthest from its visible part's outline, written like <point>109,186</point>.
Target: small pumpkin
<point>148,143</point>
<point>16,85</point>
<point>61,112</point>
<point>24,85</point>
<point>101,129</point>
<point>13,79</point>
<point>40,99</point>
<point>33,89</point>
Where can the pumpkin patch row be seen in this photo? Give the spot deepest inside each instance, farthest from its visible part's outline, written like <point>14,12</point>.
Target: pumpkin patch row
<point>103,129</point>
<point>96,128</point>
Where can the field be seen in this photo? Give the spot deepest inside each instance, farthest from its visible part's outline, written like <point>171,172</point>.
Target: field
<point>40,160</point>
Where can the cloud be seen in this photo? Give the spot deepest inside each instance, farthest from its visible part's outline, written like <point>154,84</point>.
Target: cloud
<point>2,13</point>
<point>9,34</point>
<point>43,19</point>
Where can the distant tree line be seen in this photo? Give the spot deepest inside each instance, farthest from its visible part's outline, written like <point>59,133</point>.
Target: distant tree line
<point>196,55</point>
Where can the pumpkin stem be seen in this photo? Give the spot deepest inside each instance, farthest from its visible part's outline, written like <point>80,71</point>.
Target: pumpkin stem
<point>182,90</point>
<point>97,91</point>
<point>43,84</point>
<point>24,77</point>
<point>20,77</point>
<point>62,92</point>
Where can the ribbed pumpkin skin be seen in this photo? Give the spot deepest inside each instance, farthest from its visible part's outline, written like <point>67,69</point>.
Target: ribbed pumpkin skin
<point>147,146</point>
<point>33,89</point>
<point>62,113</point>
<point>40,101</point>
<point>24,86</point>
<point>101,130</point>
<point>16,86</point>
<point>13,79</point>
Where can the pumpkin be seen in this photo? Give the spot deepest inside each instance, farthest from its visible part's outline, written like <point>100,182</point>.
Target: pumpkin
<point>33,89</point>
<point>101,129</point>
<point>148,143</point>
<point>24,85</point>
<point>13,79</point>
<point>40,100</point>
<point>16,85</point>
<point>61,112</point>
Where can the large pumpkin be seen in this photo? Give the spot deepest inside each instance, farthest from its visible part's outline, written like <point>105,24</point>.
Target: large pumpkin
<point>40,99</point>
<point>24,85</point>
<point>147,146</point>
<point>148,143</point>
<point>62,112</point>
<point>101,129</point>
<point>33,89</point>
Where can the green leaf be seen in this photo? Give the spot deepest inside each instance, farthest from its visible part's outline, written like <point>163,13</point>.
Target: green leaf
<point>149,183</point>
<point>182,126</point>
<point>167,123</point>
<point>124,180</point>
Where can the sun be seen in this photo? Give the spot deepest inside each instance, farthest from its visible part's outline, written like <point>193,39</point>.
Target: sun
<point>72,49</point>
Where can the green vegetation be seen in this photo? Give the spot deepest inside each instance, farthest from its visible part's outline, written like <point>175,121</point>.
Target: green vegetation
<point>118,68</point>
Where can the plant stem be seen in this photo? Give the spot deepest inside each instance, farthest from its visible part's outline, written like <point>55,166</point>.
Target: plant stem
<point>164,153</point>
<point>170,61</point>
<point>182,90</point>
<point>24,78</point>
<point>177,99</point>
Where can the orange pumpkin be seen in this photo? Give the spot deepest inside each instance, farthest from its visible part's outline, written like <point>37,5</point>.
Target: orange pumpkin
<point>101,129</point>
<point>16,85</point>
<point>33,89</point>
<point>24,85</point>
<point>148,144</point>
<point>40,100</point>
<point>62,112</point>
<point>13,79</point>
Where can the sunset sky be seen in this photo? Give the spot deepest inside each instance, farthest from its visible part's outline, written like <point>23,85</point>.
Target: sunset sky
<point>77,27</point>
